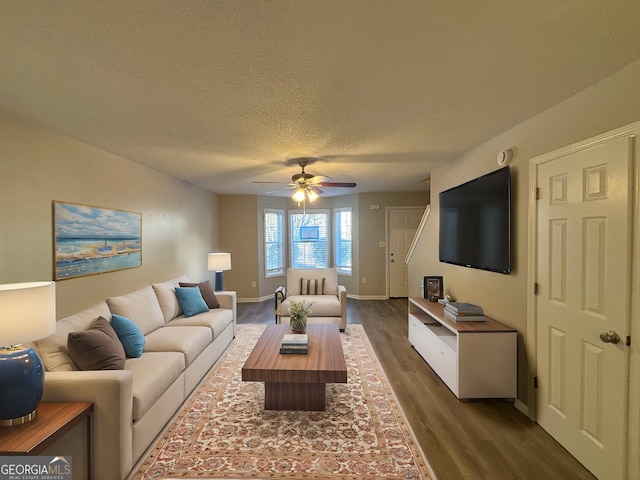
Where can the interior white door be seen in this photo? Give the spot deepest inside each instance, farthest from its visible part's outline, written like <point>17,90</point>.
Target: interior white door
<point>403,225</point>
<point>584,245</point>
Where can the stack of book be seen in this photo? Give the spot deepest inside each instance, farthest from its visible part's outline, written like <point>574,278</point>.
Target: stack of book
<point>464,312</point>
<point>295,343</point>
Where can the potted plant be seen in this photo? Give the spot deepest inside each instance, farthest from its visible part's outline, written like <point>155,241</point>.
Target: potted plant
<point>298,312</point>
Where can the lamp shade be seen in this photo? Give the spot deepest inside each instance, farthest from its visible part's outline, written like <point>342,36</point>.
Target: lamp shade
<point>27,312</point>
<point>219,261</point>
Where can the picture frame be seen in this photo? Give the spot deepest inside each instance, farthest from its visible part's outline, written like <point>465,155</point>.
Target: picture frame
<point>89,240</point>
<point>433,287</point>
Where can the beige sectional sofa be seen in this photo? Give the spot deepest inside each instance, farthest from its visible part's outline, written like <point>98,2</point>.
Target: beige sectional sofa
<point>133,405</point>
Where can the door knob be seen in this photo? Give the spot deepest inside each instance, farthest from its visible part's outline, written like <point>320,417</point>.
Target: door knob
<point>610,337</point>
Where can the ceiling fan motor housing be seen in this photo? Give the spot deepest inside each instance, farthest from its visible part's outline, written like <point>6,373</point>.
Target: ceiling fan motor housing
<point>301,177</point>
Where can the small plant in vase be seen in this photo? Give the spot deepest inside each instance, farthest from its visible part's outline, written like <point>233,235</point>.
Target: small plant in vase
<point>298,312</point>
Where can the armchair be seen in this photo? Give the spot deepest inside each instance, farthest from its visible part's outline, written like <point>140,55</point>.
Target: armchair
<point>318,286</point>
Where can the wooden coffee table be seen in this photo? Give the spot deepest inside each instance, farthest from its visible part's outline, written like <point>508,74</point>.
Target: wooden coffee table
<point>294,381</point>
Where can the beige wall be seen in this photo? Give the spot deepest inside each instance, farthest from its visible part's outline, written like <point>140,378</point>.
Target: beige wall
<point>245,239</point>
<point>180,223</point>
<point>37,166</point>
<point>605,106</point>
<point>238,223</point>
<point>372,231</point>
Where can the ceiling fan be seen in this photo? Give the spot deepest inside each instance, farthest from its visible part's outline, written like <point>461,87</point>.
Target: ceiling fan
<point>307,185</point>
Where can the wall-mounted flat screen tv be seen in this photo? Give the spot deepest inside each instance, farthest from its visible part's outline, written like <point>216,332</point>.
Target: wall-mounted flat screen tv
<point>475,223</point>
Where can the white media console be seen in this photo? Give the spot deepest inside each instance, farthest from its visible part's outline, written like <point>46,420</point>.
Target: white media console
<point>474,359</point>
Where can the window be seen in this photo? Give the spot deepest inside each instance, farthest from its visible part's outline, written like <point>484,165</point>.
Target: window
<point>343,240</point>
<point>309,239</point>
<point>273,242</point>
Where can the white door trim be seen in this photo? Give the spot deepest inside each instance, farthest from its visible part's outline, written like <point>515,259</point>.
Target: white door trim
<point>387,211</point>
<point>632,130</point>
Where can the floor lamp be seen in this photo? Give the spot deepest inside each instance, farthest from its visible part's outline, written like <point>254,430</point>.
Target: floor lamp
<point>27,314</point>
<point>219,262</point>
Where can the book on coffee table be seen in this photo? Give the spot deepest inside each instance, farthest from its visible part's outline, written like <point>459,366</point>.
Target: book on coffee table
<point>299,350</point>
<point>295,343</point>
<point>295,339</point>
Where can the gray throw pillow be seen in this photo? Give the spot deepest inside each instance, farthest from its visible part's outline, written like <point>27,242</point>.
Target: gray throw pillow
<point>97,348</point>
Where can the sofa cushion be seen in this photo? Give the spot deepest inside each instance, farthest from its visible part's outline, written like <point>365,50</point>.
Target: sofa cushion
<point>97,348</point>
<point>294,275</point>
<point>206,289</point>
<point>166,294</point>
<point>191,301</point>
<point>190,341</point>
<point>321,305</point>
<point>129,334</point>
<point>140,306</point>
<point>312,286</point>
<point>53,349</point>
<point>217,320</point>
<point>153,373</point>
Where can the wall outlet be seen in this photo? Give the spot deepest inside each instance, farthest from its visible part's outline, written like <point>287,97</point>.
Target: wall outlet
<point>364,279</point>
<point>253,284</point>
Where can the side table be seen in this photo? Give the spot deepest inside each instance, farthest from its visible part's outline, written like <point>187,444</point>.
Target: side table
<point>52,421</point>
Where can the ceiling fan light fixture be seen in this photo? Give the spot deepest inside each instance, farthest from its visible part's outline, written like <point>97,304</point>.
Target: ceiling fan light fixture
<point>298,195</point>
<point>312,194</point>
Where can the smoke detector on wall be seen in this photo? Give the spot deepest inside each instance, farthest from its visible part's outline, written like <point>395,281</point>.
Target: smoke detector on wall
<point>505,156</point>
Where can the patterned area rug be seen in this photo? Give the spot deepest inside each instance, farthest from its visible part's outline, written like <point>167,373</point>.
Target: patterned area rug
<point>224,431</point>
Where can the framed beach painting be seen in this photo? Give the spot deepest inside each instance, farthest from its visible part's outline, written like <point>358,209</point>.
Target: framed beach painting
<point>92,240</point>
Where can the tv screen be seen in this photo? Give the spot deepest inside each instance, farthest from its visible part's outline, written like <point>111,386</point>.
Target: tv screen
<point>475,223</point>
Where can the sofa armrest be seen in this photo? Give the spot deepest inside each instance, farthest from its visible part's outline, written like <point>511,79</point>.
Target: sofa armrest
<point>279,296</point>
<point>227,299</point>
<point>111,392</point>
<point>342,295</point>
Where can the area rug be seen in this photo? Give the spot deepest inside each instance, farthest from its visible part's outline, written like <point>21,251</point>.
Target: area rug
<point>224,431</point>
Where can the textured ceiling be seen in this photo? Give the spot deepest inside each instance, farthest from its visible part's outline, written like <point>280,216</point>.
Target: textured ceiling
<point>223,92</point>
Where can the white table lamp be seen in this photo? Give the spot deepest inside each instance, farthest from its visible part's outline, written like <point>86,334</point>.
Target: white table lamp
<point>27,314</point>
<point>219,262</point>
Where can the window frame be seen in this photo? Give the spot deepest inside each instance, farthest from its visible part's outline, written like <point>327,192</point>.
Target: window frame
<point>275,272</point>
<point>342,269</point>
<point>291,242</point>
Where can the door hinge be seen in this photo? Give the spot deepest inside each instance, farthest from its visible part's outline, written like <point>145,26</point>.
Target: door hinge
<point>536,193</point>
<point>628,340</point>
<point>535,382</point>
<point>536,288</point>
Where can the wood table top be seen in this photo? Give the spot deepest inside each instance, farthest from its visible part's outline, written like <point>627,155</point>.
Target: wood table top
<point>52,421</point>
<point>324,362</point>
<point>437,309</point>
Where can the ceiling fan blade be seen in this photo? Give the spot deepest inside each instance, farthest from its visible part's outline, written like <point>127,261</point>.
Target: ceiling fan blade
<point>336,184</point>
<point>316,180</point>
<point>281,183</point>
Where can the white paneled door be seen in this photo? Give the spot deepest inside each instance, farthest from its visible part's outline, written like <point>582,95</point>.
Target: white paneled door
<point>583,270</point>
<point>403,225</point>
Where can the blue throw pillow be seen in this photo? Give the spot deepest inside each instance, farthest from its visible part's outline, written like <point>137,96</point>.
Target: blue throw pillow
<point>129,334</point>
<point>191,301</point>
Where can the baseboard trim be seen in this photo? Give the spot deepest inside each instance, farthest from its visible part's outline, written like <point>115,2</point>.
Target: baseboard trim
<point>355,297</point>
<point>522,407</point>
<point>368,297</point>
<point>254,300</point>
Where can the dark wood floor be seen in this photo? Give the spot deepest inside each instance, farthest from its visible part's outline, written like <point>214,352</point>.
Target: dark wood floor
<point>462,440</point>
